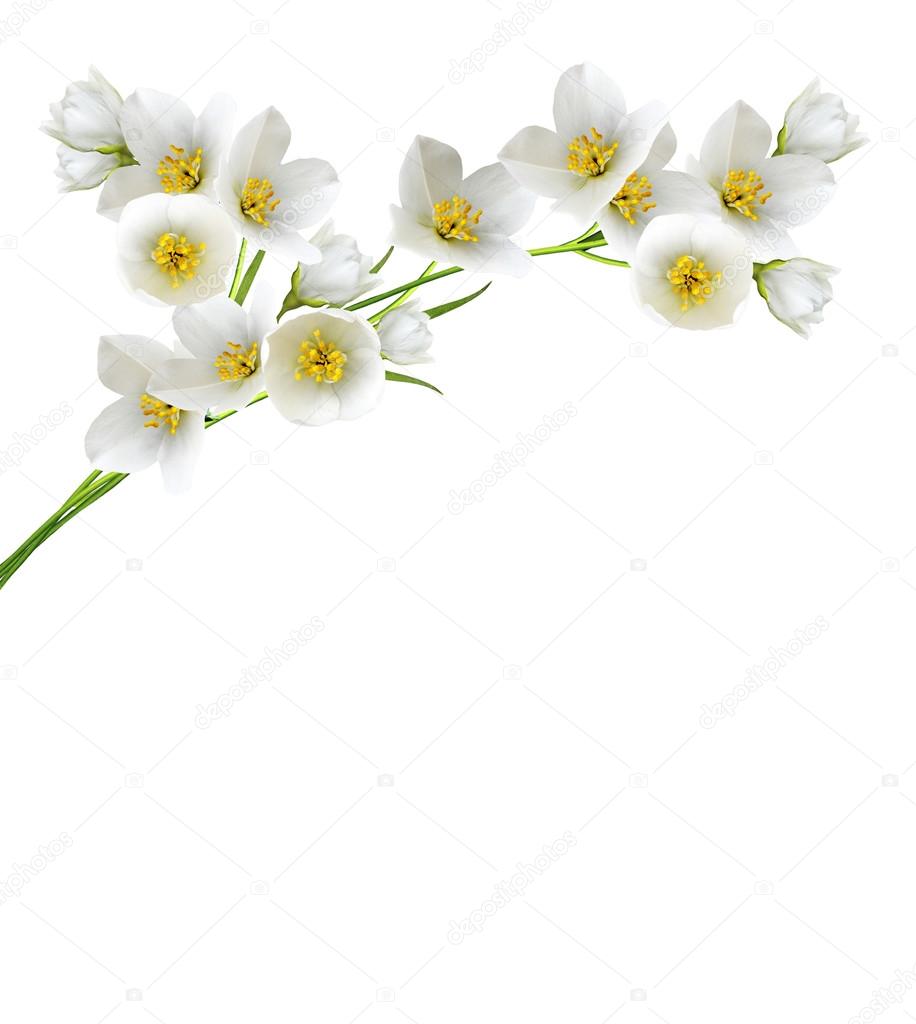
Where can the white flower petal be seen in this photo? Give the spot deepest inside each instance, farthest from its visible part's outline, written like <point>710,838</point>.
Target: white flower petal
<point>180,453</point>
<point>259,147</point>
<point>127,184</point>
<point>431,172</point>
<point>117,440</point>
<point>152,122</point>
<point>801,187</point>
<point>586,98</point>
<point>506,206</point>
<point>417,238</point>
<point>738,140</point>
<point>126,362</point>
<point>307,189</point>
<point>538,160</point>
<point>206,329</point>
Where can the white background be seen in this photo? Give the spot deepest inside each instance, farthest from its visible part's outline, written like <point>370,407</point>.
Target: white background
<point>485,681</point>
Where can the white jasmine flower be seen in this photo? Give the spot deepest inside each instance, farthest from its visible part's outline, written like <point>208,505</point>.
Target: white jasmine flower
<point>596,145</point>
<point>87,117</point>
<point>649,192</point>
<point>140,428</point>
<point>761,196</point>
<point>341,275</point>
<point>405,335</point>
<point>464,221</point>
<point>176,249</point>
<point>272,201</point>
<point>693,272</point>
<point>796,291</point>
<point>818,124</point>
<point>227,346</point>
<point>175,151</point>
<point>78,170</point>
<point>324,365</point>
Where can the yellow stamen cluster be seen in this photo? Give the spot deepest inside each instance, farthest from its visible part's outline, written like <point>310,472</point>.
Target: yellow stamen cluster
<point>632,197</point>
<point>741,191</point>
<point>692,282</point>
<point>258,200</point>
<point>159,413</point>
<point>454,219</point>
<point>588,155</point>
<point>180,172</point>
<point>321,360</point>
<point>237,362</point>
<point>176,256</point>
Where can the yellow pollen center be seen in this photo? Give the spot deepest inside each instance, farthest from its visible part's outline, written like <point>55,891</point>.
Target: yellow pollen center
<point>180,171</point>
<point>258,200</point>
<point>692,282</point>
<point>237,362</point>
<point>589,156</point>
<point>741,191</point>
<point>321,360</point>
<point>177,257</point>
<point>633,197</point>
<point>159,413</point>
<point>454,219</point>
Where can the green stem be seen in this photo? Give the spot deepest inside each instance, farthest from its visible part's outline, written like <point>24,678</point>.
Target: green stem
<point>377,317</point>
<point>248,280</point>
<point>238,268</point>
<point>404,287</point>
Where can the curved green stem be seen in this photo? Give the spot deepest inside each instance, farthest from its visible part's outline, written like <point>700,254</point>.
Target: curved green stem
<point>240,262</point>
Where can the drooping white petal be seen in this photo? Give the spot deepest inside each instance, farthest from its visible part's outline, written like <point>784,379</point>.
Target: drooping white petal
<point>180,452</point>
<point>118,440</point>
<point>420,238</point>
<point>491,254</point>
<point>212,133</point>
<point>205,329</point>
<point>586,98</point>
<point>307,189</point>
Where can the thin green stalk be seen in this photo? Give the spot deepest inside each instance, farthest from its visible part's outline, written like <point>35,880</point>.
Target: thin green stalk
<point>240,262</point>
<point>404,287</point>
<point>601,259</point>
<point>376,318</point>
<point>248,279</point>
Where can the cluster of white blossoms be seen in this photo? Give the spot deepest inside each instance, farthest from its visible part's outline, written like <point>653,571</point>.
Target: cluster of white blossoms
<point>190,195</point>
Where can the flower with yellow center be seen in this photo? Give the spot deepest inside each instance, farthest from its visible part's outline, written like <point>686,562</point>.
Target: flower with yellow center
<point>158,414</point>
<point>143,426</point>
<point>692,282</point>
<point>692,271</point>
<point>761,196</point>
<point>236,362</point>
<point>589,155</point>
<point>175,152</point>
<point>258,200</point>
<point>651,191</point>
<point>226,343</point>
<point>176,249</point>
<point>454,219</point>
<point>319,359</point>
<point>585,163</point>
<point>450,218</point>
<point>272,201</point>
<point>741,191</point>
<point>179,170</point>
<point>634,197</point>
<point>178,257</point>
<point>324,365</point>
